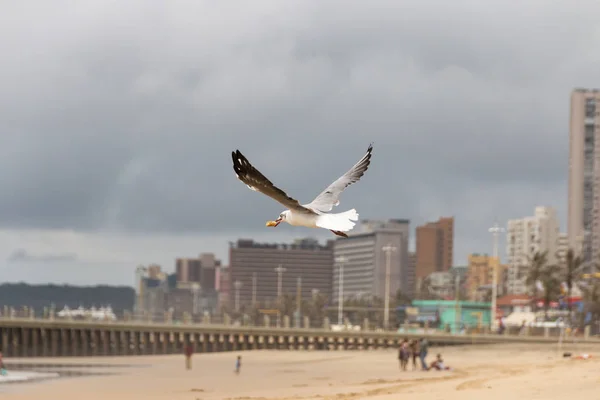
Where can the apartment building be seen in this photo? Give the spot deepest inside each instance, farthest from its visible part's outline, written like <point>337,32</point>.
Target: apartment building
<point>434,247</point>
<point>480,275</point>
<point>365,259</point>
<point>258,270</point>
<point>525,237</point>
<point>583,216</point>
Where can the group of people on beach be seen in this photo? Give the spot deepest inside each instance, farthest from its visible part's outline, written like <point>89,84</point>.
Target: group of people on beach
<point>414,349</point>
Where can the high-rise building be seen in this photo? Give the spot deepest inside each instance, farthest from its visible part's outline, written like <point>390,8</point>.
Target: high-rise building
<point>254,266</point>
<point>224,287</point>
<point>480,275</point>
<point>583,217</point>
<point>525,237</point>
<point>411,276</point>
<point>201,270</point>
<point>435,247</point>
<point>562,247</point>
<point>154,271</point>
<point>365,260</point>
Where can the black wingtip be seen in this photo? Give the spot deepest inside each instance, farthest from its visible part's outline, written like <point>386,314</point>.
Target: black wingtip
<point>236,155</point>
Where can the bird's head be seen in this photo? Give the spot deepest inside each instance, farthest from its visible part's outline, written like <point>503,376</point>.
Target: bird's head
<point>282,217</point>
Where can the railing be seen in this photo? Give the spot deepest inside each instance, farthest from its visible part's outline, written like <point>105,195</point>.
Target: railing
<point>27,314</point>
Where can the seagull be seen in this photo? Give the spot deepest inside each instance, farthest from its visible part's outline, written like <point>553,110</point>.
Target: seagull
<point>314,214</point>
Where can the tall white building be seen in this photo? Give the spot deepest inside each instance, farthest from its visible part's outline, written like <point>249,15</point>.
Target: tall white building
<point>583,216</point>
<point>524,238</point>
<point>562,248</point>
<point>365,261</point>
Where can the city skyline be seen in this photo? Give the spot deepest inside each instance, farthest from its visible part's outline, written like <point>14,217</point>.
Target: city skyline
<point>112,157</point>
<point>22,259</point>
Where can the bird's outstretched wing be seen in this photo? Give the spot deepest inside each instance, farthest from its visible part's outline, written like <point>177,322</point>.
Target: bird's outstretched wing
<point>259,183</point>
<point>325,201</point>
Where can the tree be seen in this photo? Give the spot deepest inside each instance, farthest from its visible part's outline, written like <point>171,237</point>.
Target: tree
<point>315,308</point>
<point>572,273</point>
<point>402,299</point>
<point>550,279</point>
<point>39,296</point>
<point>425,290</point>
<point>537,263</point>
<point>591,295</point>
<point>286,304</point>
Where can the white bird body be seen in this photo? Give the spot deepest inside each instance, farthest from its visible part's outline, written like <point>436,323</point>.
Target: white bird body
<point>300,219</point>
<point>314,214</point>
<point>342,222</point>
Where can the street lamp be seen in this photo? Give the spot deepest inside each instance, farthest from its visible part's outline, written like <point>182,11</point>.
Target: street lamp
<point>340,261</point>
<point>495,231</point>
<point>280,270</point>
<point>254,289</point>
<point>388,260</point>
<point>195,292</point>
<point>237,285</point>
<point>140,271</point>
<point>298,300</point>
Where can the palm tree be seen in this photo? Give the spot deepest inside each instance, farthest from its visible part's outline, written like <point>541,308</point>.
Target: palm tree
<point>572,273</point>
<point>550,279</point>
<point>401,298</point>
<point>537,264</point>
<point>591,292</point>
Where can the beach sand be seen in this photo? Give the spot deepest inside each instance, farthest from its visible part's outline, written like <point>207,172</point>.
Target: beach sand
<point>494,371</point>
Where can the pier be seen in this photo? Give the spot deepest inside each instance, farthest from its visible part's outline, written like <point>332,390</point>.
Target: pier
<point>30,337</point>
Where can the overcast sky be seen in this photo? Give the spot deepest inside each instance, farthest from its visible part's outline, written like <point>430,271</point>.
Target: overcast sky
<point>118,120</point>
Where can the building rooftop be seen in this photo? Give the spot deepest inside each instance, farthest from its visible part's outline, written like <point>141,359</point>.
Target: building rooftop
<point>298,244</point>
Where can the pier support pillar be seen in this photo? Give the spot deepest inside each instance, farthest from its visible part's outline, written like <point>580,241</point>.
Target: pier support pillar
<point>306,322</point>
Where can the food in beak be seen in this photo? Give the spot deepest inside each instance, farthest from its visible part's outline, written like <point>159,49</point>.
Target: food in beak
<point>274,223</point>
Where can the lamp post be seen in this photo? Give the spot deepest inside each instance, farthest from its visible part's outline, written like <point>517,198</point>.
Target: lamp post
<point>340,261</point>
<point>254,289</point>
<point>388,260</point>
<point>495,231</point>
<point>280,270</point>
<point>298,300</point>
<point>140,271</point>
<point>238,286</point>
<point>195,292</point>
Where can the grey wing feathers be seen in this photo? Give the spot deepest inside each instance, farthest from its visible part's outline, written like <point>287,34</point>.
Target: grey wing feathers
<point>325,201</point>
<point>258,182</point>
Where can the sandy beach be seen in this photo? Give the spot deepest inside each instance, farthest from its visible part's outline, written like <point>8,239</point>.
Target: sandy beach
<point>498,371</point>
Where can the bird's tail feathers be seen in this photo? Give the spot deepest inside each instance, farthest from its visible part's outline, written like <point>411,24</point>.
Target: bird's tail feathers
<point>342,222</point>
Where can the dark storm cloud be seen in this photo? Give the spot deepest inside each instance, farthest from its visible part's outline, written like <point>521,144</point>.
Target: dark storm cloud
<point>124,117</point>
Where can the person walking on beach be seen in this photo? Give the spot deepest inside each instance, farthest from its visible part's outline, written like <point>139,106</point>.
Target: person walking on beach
<point>238,364</point>
<point>188,356</point>
<point>403,354</point>
<point>423,347</point>
<point>414,352</point>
